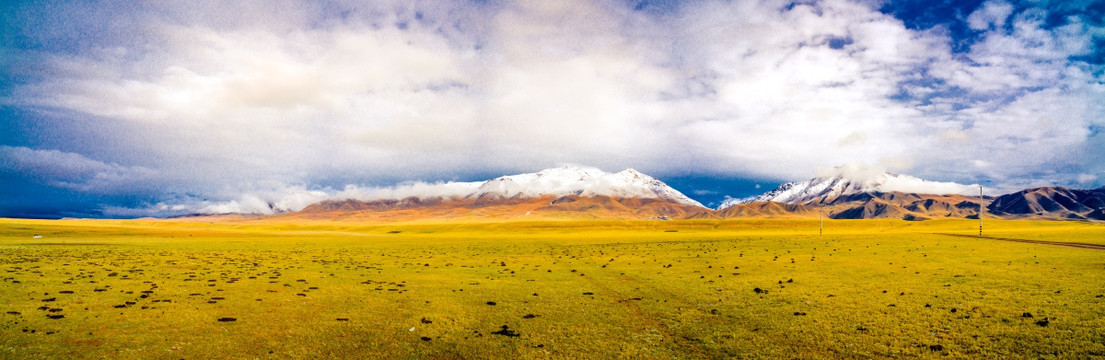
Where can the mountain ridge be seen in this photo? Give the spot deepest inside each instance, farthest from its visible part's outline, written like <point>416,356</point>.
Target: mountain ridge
<point>1052,201</point>
<point>586,192</point>
<point>566,191</point>
<point>583,181</point>
<point>842,181</point>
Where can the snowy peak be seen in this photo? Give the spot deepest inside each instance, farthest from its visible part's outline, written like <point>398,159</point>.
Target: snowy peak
<point>582,181</point>
<point>563,180</point>
<point>843,181</point>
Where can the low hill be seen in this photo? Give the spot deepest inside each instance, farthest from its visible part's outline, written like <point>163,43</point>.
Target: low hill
<point>767,210</point>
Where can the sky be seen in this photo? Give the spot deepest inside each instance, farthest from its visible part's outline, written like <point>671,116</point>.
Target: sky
<point>127,109</point>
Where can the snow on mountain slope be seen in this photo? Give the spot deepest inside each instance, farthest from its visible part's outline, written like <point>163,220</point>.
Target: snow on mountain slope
<point>561,181</point>
<point>846,181</point>
<point>556,181</point>
<point>583,181</point>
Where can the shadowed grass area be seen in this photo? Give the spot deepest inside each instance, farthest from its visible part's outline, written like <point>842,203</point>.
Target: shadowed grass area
<point>559,289</point>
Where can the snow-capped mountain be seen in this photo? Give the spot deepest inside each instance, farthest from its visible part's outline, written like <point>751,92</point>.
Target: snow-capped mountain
<point>557,182</point>
<point>841,181</point>
<point>582,181</point>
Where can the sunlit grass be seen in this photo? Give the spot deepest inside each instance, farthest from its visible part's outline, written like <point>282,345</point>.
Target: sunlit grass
<point>568,289</point>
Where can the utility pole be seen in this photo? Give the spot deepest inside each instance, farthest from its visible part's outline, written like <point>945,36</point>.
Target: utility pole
<point>980,201</point>
<point>820,222</point>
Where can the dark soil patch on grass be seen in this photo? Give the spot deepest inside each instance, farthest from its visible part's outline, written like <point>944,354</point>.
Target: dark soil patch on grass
<point>506,331</point>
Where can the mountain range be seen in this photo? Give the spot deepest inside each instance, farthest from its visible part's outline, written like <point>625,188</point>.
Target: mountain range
<point>840,182</point>
<point>587,193</point>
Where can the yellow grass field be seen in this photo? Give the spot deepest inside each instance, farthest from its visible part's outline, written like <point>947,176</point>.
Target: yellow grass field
<point>767,289</point>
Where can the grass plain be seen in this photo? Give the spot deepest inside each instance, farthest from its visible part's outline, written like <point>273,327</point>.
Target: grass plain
<point>549,289</point>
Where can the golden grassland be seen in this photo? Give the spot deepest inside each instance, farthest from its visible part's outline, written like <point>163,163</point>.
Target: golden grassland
<point>549,289</point>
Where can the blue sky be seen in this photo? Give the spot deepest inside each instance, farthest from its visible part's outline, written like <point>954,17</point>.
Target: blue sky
<point>122,109</point>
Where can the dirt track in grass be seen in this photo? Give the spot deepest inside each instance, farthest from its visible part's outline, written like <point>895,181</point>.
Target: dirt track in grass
<point>1069,244</point>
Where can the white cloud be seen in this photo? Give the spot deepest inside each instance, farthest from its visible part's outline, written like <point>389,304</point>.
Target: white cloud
<point>992,14</point>
<point>782,92</point>
<point>274,198</point>
<point>418,189</point>
<point>919,186</point>
<point>231,101</point>
<point>877,178</point>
